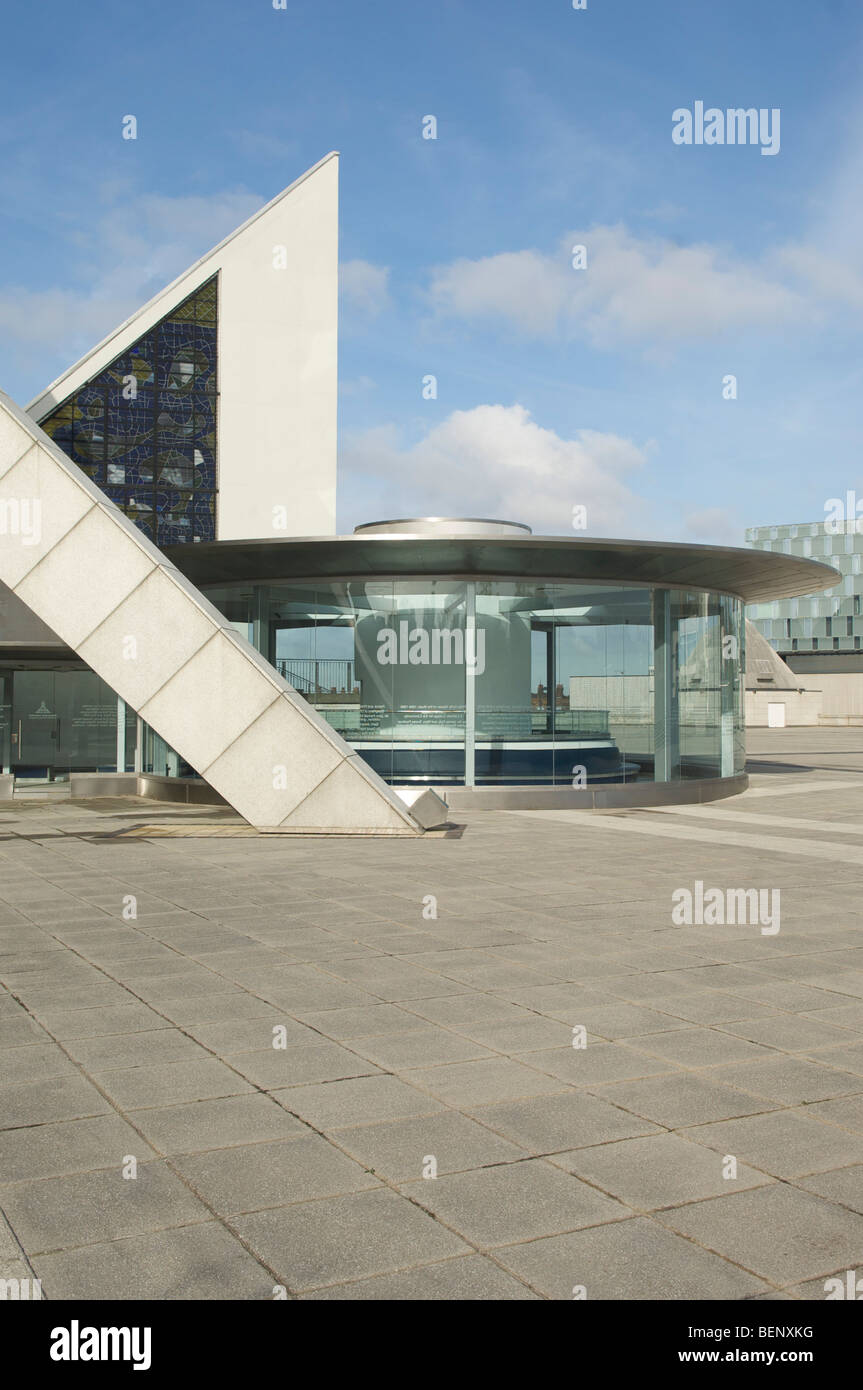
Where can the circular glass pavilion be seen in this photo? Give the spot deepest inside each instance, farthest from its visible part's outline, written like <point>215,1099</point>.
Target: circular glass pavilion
<point>471,653</point>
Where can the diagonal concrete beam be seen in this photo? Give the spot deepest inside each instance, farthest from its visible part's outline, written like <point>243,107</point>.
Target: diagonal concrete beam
<point>82,567</point>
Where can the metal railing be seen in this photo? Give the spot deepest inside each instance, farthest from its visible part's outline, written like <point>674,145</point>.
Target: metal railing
<point>312,677</point>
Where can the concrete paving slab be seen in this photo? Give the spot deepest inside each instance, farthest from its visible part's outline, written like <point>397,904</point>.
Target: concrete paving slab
<point>43,1102</point>
<point>778,1232</point>
<point>633,1259</point>
<point>464,1084</point>
<point>565,1120</point>
<point>342,1238</point>
<point>132,1088</point>
<point>661,1170</point>
<point>251,1177</point>
<point>62,1213</point>
<point>786,1143</point>
<point>275,1068</point>
<point>717,1043</point>
<point>678,1100</point>
<point>194,1262</point>
<point>514,1202</point>
<point>215,1124</point>
<point>400,1150</point>
<point>843,1186</point>
<point>467,1277</point>
<point>363,1100</point>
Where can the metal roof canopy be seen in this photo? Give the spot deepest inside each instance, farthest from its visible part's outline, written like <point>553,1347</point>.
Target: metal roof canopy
<point>752,575</point>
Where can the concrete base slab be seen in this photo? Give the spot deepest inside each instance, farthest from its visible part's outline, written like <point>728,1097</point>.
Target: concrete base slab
<point>601,798</point>
<point>425,805</point>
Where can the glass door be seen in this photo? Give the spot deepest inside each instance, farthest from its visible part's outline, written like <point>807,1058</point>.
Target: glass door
<point>35,732</point>
<point>62,721</point>
<point>5,721</point>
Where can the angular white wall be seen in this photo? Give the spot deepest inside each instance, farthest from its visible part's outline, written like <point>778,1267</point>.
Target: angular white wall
<point>87,572</point>
<point>278,327</point>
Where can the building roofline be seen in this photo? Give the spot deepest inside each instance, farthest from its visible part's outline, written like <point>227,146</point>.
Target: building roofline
<point>133,327</point>
<point>747,573</point>
<point>778,525</point>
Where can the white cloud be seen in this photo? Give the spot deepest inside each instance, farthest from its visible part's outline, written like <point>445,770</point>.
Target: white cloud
<point>496,461</point>
<point>633,288</point>
<point>155,237</point>
<point>364,287</point>
<point>524,287</point>
<point>827,276</point>
<point>131,252</point>
<point>53,317</point>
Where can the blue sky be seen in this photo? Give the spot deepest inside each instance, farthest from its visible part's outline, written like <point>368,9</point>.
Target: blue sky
<point>557,387</point>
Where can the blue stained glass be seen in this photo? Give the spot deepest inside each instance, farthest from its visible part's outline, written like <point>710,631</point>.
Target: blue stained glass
<point>90,403</point>
<point>90,452</point>
<point>178,373</point>
<point>174,331</point>
<point>205,379</point>
<point>131,418</point>
<point>116,401</point>
<point>168,499</point>
<point>139,452</point>
<point>171,534</point>
<point>177,406</point>
<point>178,358</point>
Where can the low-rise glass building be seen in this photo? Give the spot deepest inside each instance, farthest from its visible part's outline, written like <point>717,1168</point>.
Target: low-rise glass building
<point>453,654</point>
<point>472,653</point>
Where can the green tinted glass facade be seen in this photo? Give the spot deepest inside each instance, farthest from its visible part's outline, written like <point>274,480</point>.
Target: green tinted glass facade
<point>831,621</point>
<point>144,429</point>
<point>448,680</point>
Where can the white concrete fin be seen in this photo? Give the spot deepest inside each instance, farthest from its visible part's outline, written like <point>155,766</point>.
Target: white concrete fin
<point>277,361</point>
<point>87,571</point>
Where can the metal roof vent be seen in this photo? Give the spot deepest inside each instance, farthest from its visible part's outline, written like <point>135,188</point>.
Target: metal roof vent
<point>443,526</point>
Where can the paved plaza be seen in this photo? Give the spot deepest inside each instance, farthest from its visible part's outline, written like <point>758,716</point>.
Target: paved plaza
<point>242,1067</point>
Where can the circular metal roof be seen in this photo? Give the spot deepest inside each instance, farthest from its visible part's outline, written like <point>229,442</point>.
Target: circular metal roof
<point>451,526</point>
<point>753,575</point>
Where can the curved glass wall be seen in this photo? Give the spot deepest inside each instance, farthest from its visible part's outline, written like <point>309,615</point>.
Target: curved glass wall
<point>438,680</point>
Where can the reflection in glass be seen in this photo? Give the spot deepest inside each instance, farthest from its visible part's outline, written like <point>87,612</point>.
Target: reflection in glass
<point>443,680</point>
<point>56,721</point>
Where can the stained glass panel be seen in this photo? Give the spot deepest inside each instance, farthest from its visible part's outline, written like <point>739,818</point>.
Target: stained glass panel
<point>145,427</point>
